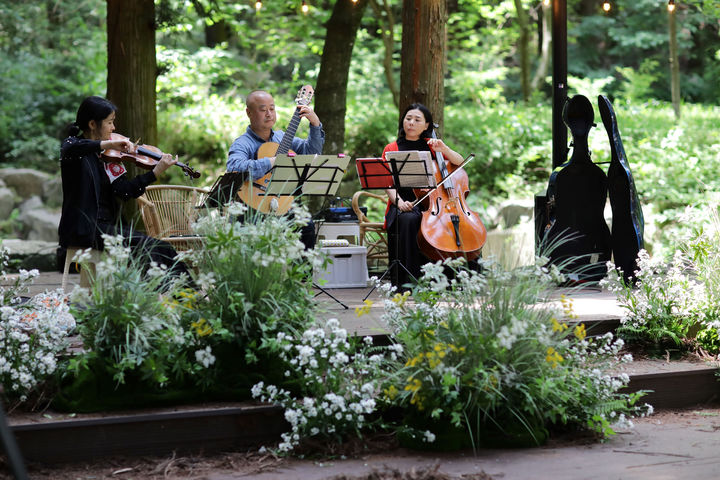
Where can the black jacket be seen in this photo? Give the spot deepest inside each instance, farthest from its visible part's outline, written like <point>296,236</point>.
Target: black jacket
<point>84,182</point>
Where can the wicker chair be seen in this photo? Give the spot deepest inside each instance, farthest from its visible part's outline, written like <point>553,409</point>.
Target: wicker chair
<point>372,234</point>
<point>169,210</point>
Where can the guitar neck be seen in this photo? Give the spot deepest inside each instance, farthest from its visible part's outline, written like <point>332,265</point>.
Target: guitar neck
<point>289,134</point>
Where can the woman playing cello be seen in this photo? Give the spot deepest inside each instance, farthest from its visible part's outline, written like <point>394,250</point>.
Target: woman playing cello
<point>403,221</point>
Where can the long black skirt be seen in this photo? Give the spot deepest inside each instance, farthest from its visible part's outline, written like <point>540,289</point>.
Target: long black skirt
<point>403,228</point>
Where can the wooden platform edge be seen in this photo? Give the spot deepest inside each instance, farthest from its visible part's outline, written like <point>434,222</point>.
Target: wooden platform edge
<point>150,434</point>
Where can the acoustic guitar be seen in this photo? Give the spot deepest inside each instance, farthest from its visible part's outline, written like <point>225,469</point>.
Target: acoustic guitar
<point>254,192</point>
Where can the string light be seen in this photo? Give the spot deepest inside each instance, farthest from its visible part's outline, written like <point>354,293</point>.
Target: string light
<point>671,6</point>
<point>304,8</point>
<point>354,1</point>
<point>606,6</point>
<point>546,3</point>
<point>258,5</point>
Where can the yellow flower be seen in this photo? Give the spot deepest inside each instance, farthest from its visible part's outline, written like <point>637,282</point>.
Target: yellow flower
<point>390,392</point>
<point>415,360</point>
<point>553,357</point>
<point>400,298</point>
<point>557,326</point>
<point>567,304</point>
<point>580,332</point>
<point>365,309</point>
<point>413,385</point>
<point>202,328</point>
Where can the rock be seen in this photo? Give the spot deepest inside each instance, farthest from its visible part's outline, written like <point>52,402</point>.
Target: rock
<point>7,202</point>
<point>514,212</point>
<point>40,224</point>
<point>25,181</point>
<point>29,254</point>
<point>32,203</point>
<point>52,193</point>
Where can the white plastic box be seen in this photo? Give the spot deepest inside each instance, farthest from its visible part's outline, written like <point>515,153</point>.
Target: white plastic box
<point>347,270</point>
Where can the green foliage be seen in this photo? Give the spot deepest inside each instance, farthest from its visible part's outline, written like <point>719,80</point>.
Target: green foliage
<point>127,331</point>
<point>486,353</point>
<point>256,275</point>
<point>675,304</point>
<point>637,84</point>
<point>52,56</point>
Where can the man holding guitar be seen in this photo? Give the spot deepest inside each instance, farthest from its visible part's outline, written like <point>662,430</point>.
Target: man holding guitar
<point>255,150</point>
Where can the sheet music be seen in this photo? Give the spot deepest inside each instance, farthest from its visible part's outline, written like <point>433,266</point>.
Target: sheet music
<point>415,172</point>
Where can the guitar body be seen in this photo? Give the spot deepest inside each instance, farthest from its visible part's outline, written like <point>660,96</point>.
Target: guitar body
<point>576,237</point>
<point>254,192</point>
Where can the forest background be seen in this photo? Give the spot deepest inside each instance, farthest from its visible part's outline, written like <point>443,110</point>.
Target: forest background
<point>211,53</point>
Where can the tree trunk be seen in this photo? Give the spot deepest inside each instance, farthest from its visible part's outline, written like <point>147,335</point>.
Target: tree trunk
<point>424,59</point>
<point>674,65</point>
<point>388,37</point>
<point>331,88</point>
<point>524,49</point>
<point>132,68</point>
<point>545,41</point>
<point>132,72</point>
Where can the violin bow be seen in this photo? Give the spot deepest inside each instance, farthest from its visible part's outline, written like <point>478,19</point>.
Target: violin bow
<point>467,160</point>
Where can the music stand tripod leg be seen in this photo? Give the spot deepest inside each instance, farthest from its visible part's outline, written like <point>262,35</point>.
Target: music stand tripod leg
<point>396,261</point>
<point>322,290</point>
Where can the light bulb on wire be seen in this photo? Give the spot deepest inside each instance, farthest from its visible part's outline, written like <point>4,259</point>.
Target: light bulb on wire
<point>304,8</point>
<point>671,6</point>
<point>546,3</point>
<point>606,6</point>
<point>258,5</point>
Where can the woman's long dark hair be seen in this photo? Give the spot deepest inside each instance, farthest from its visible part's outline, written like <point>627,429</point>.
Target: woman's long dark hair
<point>92,108</point>
<point>427,133</point>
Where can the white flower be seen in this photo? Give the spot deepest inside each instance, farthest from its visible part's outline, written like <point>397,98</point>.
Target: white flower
<point>428,436</point>
<point>205,357</point>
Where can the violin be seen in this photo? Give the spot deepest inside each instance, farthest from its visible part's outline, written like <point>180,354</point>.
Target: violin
<point>449,229</point>
<point>145,156</point>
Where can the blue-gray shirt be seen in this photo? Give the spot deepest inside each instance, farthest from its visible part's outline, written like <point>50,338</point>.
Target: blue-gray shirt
<point>243,150</point>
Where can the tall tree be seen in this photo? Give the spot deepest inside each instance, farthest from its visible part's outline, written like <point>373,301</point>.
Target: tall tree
<point>331,88</point>
<point>132,68</point>
<point>386,19</point>
<point>524,48</point>
<point>132,72</point>
<point>424,60</point>
<point>674,62</point>
<point>545,12</point>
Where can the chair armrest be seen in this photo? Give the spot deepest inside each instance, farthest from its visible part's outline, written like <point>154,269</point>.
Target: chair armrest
<point>362,218</point>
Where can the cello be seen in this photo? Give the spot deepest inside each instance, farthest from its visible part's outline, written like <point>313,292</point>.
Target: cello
<point>449,229</point>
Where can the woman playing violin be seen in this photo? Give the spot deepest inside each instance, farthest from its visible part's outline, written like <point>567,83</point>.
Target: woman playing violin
<point>414,133</point>
<point>91,186</point>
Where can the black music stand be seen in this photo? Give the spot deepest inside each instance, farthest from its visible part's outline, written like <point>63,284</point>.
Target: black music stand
<point>11,448</point>
<point>308,175</point>
<point>403,169</point>
<point>224,189</point>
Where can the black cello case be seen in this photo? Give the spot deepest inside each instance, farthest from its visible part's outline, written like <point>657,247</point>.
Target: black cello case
<point>627,217</point>
<point>576,236</point>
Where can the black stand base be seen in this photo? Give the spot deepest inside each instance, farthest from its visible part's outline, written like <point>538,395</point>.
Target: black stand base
<point>322,290</point>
